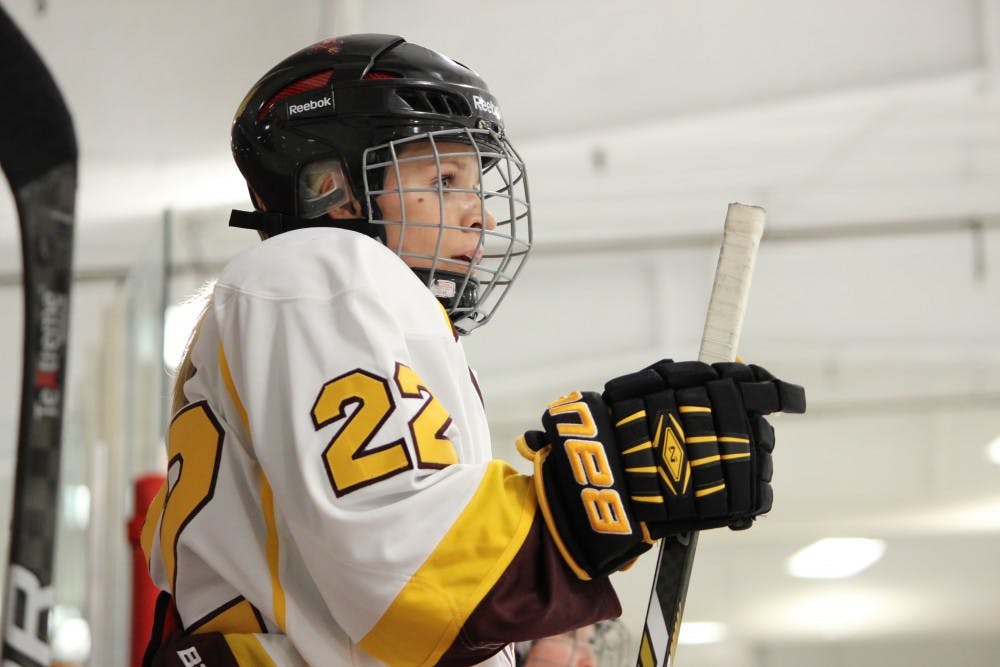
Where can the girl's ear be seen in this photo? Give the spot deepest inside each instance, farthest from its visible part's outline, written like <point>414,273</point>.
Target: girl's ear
<point>349,210</point>
<point>323,189</point>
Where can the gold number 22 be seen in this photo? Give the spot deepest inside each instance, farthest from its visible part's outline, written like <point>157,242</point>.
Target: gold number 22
<point>352,462</point>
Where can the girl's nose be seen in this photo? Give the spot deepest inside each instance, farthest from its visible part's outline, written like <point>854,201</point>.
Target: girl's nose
<point>477,215</point>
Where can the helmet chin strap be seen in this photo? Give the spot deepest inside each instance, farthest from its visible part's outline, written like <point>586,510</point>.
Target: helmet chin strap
<point>445,286</point>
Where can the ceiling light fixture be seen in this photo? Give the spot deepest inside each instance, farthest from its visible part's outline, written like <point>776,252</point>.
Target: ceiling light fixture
<point>695,632</point>
<point>993,451</point>
<point>835,557</point>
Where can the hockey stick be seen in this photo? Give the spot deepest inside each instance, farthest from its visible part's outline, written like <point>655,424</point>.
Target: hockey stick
<point>38,156</point>
<point>744,226</point>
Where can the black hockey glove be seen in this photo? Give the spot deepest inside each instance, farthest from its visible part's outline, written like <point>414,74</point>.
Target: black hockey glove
<point>695,444</point>
<point>685,448</point>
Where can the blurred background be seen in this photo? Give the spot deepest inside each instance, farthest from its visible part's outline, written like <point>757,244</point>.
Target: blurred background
<point>869,131</point>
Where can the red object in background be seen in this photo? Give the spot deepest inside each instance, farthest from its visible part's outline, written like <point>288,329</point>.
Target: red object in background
<point>143,591</point>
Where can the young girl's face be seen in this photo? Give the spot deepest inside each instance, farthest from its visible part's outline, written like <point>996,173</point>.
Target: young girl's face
<point>456,220</point>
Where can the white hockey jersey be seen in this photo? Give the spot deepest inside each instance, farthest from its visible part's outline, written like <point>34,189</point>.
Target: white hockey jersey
<point>331,480</point>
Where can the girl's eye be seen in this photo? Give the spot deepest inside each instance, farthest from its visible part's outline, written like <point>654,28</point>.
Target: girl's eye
<point>444,181</point>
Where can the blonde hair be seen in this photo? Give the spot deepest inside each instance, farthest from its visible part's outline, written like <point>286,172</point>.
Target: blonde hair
<point>186,369</point>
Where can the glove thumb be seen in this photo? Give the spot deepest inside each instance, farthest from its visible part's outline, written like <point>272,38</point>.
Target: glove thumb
<point>531,443</point>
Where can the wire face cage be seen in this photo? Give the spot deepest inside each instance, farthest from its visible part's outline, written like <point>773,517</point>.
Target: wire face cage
<point>455,207</point>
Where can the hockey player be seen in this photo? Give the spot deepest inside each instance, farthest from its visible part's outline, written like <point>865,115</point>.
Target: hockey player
<point>332,497</point>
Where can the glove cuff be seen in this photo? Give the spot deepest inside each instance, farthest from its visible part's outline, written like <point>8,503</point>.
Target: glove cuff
<point>581,487</point>
<point>539,456</point>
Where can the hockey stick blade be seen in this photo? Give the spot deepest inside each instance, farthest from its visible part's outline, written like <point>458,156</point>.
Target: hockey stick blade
<point>38,156</point>
<point>744,227</point>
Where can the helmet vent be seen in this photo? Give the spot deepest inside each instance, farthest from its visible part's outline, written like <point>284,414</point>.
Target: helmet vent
<point>381,74</point>
<point>434,101</point>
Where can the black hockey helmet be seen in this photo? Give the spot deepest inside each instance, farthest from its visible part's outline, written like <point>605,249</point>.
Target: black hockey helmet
<point>340,96</point>
<point>349,107</point>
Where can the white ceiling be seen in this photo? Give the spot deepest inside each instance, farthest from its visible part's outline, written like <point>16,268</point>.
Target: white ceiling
<point>870,131</point>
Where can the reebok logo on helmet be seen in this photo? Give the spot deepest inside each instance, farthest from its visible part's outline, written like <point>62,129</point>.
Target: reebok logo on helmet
<point>486,106</point>
<point>325,103</point>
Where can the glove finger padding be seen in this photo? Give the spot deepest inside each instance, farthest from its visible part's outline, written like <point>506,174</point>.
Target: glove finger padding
<point>701,442</point>
<point>761,391</point>
<point>736,449</point>
<point>640,466</point>
<point>709,444</point>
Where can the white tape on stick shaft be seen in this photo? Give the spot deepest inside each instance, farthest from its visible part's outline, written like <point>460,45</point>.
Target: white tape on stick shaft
<point>744,227</point>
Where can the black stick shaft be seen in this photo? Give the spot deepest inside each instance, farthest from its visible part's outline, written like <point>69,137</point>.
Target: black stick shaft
<point>38,156</point>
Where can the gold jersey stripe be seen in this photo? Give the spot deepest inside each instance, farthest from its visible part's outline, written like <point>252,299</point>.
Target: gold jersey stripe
<point>447,318</point>
<point>248,651</point>
<point>696,439</point>
<point>733,457</point>
<point>152,522</point>
<point>729,438</point>
<point>705,461</point>
<point>686,409</point>
<point>273,551</point>
<point>427,615</point>
<point>238,617</point>
<point>649,469</point>
<point>631,418</point>
<point>266,502</point>
<point>648,499</point>
<point>701,493</point>
<point>231,387</point>
<point>638,448</point>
